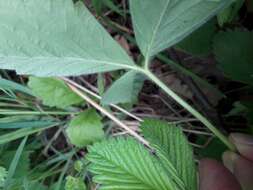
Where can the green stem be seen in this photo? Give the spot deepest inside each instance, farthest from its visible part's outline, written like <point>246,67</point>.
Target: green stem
<point>189,108</point>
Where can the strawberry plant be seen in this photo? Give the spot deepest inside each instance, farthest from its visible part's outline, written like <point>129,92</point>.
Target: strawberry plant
<point>51,40</point>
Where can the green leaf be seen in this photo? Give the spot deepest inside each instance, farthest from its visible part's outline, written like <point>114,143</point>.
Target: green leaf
<point>213,150</point>
<point>169,21</point>
<point>125,89</point>
<point>23,164</point>
<point>228,14</point>
<point>125,164</point>
<point>171,141</point>
<point>56,38</point>
<point>3,175</point>
<point>10,85</point>
<point>14,163</point>
<point>25,124</point>
<point>234,52</point>
<point>53,92</point>
<point>200,41</point>
<point>73,183</point>
<point>98,5</point>
<point>31,185</point>
<point>85,128</point>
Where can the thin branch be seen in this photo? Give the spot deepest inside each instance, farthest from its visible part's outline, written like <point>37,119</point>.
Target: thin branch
<point>108,114</point>
<point>99,98</point>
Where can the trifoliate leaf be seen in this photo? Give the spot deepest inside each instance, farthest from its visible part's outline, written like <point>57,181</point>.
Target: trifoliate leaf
<point>3,175</point>
<point>56,38</point>
<point>126,164</point>
<point>169,141</point>
<point>234,53</point>
<point>85,129</point>
<point>168,21</point>
<point>53,92</point>
<point>125,89</point>
<point>73,183</point>
<point>79,165</point>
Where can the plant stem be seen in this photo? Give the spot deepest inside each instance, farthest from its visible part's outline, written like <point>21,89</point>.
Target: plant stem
<point>99,98</point>
<point>189,108</point>
<point>109,115</point>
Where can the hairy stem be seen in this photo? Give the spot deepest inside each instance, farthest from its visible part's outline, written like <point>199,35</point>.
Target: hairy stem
<point>189,108</point>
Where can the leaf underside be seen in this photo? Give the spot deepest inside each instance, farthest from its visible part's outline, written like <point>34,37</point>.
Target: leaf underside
<point>125,89</point>
<point>56,38</point>
<point>168,21</point>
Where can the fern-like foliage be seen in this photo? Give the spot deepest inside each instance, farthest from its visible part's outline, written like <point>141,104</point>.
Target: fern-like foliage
<point>120,164</point>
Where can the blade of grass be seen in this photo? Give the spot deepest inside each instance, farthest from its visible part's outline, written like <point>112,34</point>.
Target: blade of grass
<point>14,164</point>
<point>22,133</point>
<point>9,85</point>
<point>23,112</point>
<point>109,115</point>
<point>64,171</point>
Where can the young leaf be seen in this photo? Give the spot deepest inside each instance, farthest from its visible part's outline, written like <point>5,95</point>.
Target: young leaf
<point>56,38</point>
<point>85,128</point>
<point>234,52</point>
<point>171,141</point>
<point>53,92</point>
<point>3,175</point>
<point>169,21</point>
<point>73,183</point>
<point>125,164</point>
<point>125,89</point>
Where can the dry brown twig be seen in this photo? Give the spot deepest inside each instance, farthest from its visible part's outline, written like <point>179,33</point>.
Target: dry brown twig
<point>108,114</point>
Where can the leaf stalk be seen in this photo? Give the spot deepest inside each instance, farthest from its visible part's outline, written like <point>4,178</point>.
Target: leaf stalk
<point>189,108</point>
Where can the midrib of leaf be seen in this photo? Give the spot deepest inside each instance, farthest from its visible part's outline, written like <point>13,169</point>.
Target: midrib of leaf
<point>116,64</point>
<point>131,174</point>
<point>154,33</point>
<point>32,40</point>
<point>148,186</point>
<point>72,60</point>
